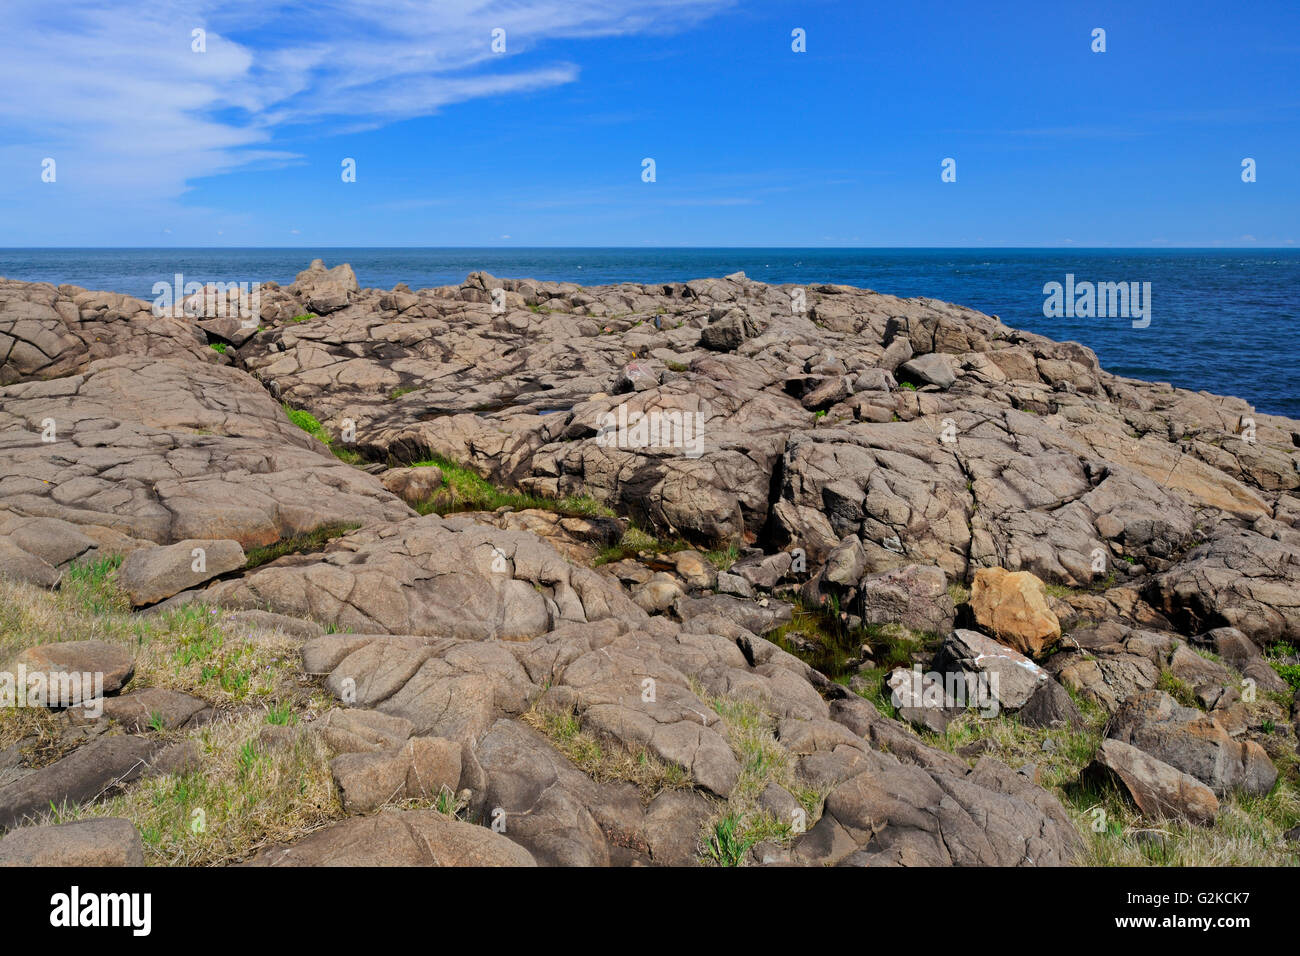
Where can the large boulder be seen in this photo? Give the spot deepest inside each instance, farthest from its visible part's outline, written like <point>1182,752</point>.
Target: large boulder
<point>420,768</point>
<point>1158,790</point>
<point>86,774</point>
<point>75,672</point>
<point>726,333</point>
<point>1194,743</point>
<point>1050,706</point>
<point>1239,579</point>
<point>1012,606</point>
<point>926,701</point>
<point>399,838</point>
<point>930,369</point>
<point>148,575</point>
<point>155,708</point>
<point>325,290</point>
<point>538,799</point>
<point>997,677</point>
<point>915,596</point>
<point>415,486</point>
<point>96,842</point>
<point>902,814</point>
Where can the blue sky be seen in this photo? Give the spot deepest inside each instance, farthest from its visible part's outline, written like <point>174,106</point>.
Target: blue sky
<point>754,144</point>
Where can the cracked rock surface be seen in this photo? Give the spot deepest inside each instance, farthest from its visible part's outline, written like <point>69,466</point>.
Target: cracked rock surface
<point>509,662</point>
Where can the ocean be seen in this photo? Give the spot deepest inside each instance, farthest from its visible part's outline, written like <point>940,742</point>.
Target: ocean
<point>1218,318</point>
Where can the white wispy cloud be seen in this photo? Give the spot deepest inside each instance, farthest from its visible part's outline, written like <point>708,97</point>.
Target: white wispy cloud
<point>115,94</point>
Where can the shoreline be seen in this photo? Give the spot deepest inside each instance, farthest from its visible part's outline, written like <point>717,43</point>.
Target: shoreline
<point>1201,337</point>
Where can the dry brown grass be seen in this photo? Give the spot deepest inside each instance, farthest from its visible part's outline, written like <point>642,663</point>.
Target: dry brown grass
<point>251,796</point>
<point>740,822</point>
<point>192,649</point>
<point>606,760</point>
<point>244,796</point>
<point>1248,832</point>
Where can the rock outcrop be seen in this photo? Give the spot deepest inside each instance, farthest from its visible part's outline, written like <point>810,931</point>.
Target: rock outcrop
<point>499,662</point>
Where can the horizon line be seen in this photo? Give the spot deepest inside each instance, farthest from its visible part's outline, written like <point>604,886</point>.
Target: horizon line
<point>1006,248</point>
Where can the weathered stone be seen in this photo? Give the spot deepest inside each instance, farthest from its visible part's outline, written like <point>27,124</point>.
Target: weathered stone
<point>325,290</point>
<point>415,486</point>
<point>915,596</point>
<point>1002,678</point>
<point>1158,790</point>
<point>84,775</point>
<point>694,569</point>
<point>783,807</point>
<point>902,814</point>
<point>1237,579</point>
<point>931,369</point>
<point>19,565</point>
<point>674,824</point>
<point>150,574</point>
<point>658,594</point>
<point>924,701</point>
<point>1194,743</point>
<point>539,798</point>
<point>1012,606</point>
<point>728,332</point>
<point>1197,671</point>
<point>363,731</point>
<point>750,615</point>
<point>735,585</point>
<point>399,838</point>
<point>67,665</point>
<point>434,576</point>
<point>765,572</point>
<point>1050,706</point>
<point>418,769</point>
<point>154,708</point>
<point>1105,679</point>
<point>96,842</point>
<point>158,451</point>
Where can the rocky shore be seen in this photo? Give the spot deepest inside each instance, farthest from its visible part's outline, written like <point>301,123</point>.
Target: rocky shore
<point>520,572</point>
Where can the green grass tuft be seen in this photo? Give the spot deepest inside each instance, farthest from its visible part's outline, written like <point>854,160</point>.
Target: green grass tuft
<point>728,846</point>
<point>723,558</point>
<point>305,543</point>
<point>1285,659</point>
<point>634,542</point>
<point>465,490</point>
<point>1177,688</point>
<point>93,585</point>
<point>308,423</point>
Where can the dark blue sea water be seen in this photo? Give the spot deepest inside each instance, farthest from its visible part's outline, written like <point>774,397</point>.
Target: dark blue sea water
<point>1219,321</point>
